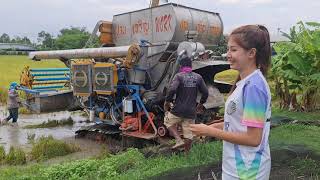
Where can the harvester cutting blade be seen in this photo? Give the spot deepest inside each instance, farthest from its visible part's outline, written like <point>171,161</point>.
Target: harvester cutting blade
<point>105,129</point>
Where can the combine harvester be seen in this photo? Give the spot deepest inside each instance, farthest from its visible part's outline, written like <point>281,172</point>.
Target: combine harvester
<point>122,84</point>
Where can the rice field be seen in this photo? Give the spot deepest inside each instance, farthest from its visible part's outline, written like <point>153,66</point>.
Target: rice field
<point>11,67</point>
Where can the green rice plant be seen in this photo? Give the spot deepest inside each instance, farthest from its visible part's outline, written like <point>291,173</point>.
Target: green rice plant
<point>26,172</point>
<point>124,161</point>
<point>303,165</point>
<point>133,165</point>
<point>104,153</point>
<point>3,94</point>
<point>52,123</point>
<point>2,155</point>
<point>110,167</point>
<point>200,154</point>
<point>31,138</point>
<point>48,147</point>
<point>16,156</point>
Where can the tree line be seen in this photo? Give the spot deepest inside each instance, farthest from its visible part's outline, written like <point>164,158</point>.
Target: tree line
<point>5,38</point>
<point>68,38</point>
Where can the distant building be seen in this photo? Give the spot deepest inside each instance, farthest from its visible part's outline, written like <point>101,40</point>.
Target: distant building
<point>16,47</point>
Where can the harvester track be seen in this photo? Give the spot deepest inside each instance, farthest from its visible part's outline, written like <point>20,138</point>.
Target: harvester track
<point>104,134</point>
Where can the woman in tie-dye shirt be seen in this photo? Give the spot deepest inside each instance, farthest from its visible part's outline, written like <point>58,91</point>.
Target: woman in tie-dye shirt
<point>246,126</point>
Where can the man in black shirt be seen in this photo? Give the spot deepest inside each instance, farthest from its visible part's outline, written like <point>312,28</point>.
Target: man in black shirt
<point>185,85</point>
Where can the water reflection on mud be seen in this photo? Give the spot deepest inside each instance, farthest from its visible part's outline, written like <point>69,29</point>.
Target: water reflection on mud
<point>17,136</point>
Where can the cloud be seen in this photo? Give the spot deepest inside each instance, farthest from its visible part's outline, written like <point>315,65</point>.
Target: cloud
<point>27,18</point>
<point>229,1</point>
<point>260,1</point>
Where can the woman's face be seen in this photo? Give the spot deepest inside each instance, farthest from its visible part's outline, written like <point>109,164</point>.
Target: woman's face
<point>238,57</point>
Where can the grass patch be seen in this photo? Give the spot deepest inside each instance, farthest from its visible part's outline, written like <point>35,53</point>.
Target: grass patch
<point>21,172</point>
<point>200,154</point>
<point>301,116</point>
<point>16,156</point>
<point>126,165</point>
<point>132,164</point>
<point>51,123</point>
<point>13,65</point>
<point>96,169</point>
<point>2,155</point>
<point>305,166</point>
<point>48,147</point>
<point>296,134</point>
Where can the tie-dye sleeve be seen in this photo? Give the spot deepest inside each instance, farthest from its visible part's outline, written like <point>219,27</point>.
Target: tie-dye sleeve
<point>254,106</point>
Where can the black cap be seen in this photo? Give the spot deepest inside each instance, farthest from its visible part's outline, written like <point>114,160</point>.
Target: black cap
<point>185,62</point>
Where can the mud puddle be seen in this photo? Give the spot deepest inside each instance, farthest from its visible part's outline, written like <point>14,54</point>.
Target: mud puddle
<point>17,136</point>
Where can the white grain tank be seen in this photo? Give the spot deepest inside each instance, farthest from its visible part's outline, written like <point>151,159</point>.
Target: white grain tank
<point>167,23</point>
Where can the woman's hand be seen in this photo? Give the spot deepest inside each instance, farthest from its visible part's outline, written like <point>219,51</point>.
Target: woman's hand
<point>200,129</point>
<point>200,108</point>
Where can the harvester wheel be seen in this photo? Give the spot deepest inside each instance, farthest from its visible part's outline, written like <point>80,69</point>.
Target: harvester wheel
<point>162,131</point>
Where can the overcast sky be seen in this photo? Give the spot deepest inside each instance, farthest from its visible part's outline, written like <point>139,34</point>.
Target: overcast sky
<point>28,17</point>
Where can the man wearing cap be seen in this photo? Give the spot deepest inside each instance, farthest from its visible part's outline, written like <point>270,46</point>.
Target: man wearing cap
<point>185,85</point>
<point>12,103</point>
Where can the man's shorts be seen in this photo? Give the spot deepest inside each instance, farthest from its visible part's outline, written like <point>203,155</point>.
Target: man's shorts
<point>170,120</point>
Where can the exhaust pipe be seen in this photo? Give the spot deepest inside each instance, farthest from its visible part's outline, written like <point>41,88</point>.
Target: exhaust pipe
<point>103,52</point>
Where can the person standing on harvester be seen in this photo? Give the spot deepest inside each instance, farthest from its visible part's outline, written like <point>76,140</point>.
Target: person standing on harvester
<point>185,85</point>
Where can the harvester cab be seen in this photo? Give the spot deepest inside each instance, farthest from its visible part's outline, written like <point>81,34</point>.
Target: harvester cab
<point>122,84</point>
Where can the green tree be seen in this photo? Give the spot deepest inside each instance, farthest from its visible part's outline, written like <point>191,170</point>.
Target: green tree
<point>46,40</point>
<point>222,46</point>
<point>15,39</point>
<point>4,38</point>
<point>72,38</point>
<point>24,40</point>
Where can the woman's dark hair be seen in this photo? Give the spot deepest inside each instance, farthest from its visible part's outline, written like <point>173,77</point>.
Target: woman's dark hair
<point>255,36</point>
